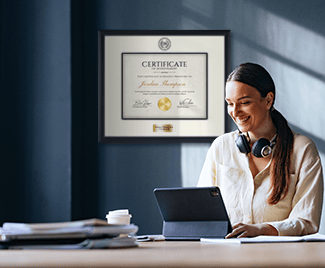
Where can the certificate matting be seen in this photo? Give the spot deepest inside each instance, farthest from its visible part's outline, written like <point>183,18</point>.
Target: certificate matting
<point>174,103</point>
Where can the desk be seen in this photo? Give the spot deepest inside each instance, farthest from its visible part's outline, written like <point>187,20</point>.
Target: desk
<point>175,254</point>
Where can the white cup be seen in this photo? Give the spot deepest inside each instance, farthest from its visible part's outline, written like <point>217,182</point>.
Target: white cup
<point>119,217</point>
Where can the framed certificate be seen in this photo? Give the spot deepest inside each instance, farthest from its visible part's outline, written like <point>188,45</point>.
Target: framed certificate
<point>162,85</point>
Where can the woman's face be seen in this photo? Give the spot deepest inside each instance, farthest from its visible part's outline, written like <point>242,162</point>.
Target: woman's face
<point>247,108</point>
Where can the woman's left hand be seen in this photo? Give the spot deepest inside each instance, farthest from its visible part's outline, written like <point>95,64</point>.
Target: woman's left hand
<point>252,230</point>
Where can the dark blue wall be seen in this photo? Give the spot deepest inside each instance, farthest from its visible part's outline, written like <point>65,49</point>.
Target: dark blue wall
<point>52,167</point>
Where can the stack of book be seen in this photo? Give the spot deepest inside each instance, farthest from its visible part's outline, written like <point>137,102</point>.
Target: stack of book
<point>84,234</point>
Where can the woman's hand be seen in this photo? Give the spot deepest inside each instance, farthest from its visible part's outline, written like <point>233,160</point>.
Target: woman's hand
<point>252,230</point>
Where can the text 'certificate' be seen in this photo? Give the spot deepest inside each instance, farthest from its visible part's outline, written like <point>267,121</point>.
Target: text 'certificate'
<point>164,86</point>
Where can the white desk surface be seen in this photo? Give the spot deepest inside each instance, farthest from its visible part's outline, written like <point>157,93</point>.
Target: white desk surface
<point>175,254</point>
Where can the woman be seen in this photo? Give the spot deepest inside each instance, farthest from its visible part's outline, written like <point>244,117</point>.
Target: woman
<point>270,177</point>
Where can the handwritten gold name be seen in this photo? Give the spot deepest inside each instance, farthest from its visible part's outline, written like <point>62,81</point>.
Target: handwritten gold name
<point>151,84</point>
<point>165,83</point>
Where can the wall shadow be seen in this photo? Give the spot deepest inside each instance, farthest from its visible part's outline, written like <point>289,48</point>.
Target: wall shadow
<point>320,143</point>
<point>307,14</point>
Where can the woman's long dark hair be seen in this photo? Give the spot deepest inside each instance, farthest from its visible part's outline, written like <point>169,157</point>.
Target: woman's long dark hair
<point>256,76</point>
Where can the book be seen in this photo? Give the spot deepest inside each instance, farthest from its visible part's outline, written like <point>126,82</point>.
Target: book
<point>89,233</point>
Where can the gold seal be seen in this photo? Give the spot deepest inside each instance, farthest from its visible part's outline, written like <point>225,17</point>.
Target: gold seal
<point>164,104</point>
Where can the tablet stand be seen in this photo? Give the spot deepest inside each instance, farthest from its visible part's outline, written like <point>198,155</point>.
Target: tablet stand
<point>194,230</point>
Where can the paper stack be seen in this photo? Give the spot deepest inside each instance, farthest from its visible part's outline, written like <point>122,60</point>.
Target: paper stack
<point>267,239</point>
<point>84,234</point>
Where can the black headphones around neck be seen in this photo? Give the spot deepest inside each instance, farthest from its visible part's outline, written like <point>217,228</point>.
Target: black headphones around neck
<point>261,148</point>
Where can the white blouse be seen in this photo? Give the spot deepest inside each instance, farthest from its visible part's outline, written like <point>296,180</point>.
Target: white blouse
<point>245,198</point>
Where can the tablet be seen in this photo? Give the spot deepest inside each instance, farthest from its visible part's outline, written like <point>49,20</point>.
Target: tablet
<point>191,213</point>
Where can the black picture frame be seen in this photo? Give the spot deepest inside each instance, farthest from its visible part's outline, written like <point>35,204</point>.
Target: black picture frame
<point>122,58</point>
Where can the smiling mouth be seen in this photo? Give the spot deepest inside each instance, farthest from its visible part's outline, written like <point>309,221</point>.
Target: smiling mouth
<point>240,121</point>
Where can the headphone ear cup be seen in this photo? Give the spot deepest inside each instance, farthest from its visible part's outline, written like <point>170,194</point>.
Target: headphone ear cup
<point>262,148</point>
<point>242,144</point>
